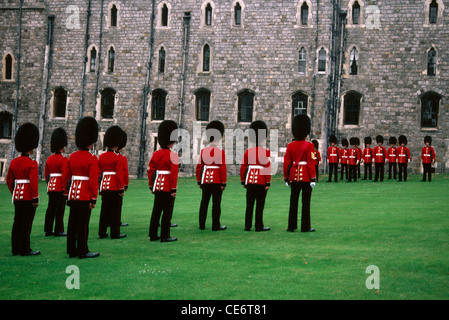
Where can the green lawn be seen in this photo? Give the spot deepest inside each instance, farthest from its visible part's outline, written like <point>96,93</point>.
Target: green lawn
<point>402,228</point>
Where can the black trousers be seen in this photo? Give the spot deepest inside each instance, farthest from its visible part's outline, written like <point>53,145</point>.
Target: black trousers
<point>55,213</point>
<point>296,188</point>
<point>352,173</point>
<point>78,228</point>
<point>392,167</point>
<point>344,171</point>
<point>368,171</point>
<point>24,212</point>
<point>379,168</point>
<point>402,170</point>
<point>333,169</point>
<point>211,190</point>
<point>358,170</point>
<point>109,214</point>
<point>163,205</point>
<point>255,193</point>
<point>427,172</point>
<point>317,172</point>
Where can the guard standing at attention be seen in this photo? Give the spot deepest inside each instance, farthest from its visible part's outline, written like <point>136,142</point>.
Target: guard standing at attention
<point>427,158</point>
<point>380,154</point>
<point>299,173</point>
<point>22,180</point>
<point>367,158</point>
<point>353,160</point>
<point>211,175</point>
<point>82,196</point>
<point>125,173</point>
<point>255,175</point>
<point>333,158</point>
<point>344,154</point>
<point>163,181</point>
<point>403,157</point>
<point>110,170</point>
<point>317,157</point>
<point>55,168</point>
<point>392,158</point>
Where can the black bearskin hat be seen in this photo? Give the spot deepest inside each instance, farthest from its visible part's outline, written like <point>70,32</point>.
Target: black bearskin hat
<point>368,140</point>
<point>58,140</point>
<point>301,127</point>
<point>315,144</point>
<point>164,133</point>
<point>353,141</point>
<point>211,135</point>
<point>379,139</point>
<point>254,133</point>
<point>357,141</point>
<point>428,139</point>
<point>344,142</point>
<point>333,139</point>
<point>123,141</point>
<point>113,137</point>
<point>86,132</point>
<point>392,140</point>
<point>27,137</point>
<point>402,139</point>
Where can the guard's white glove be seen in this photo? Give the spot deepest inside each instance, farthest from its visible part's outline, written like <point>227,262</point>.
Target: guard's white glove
<point>287,184</point>
<point>312,185</point>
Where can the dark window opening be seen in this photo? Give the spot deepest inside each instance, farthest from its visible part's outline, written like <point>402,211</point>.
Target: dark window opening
<point>299,104</point>
<point>356,13</point>
<point>158,105</point>
<point>429,110</point>
<point>8,67</point>
<point>238,14</point>
<point>245,106</point>
<point>111,60</point>
<point>107,103</point>
<point>304,14</point>
<point>164,16</point>
<point>351,108</point>
<point>202,105</point>
<point>161,64</point>
<point>59,103</point>
<point>208,17</point>
<point>432,62</point>
<point>433,12</point>
<point>206,58</point>
<point>114,16</point>
<point>5,125</point>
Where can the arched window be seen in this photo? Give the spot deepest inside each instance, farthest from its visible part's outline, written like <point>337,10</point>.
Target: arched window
<point>164,15</point>
<point>113,15</point>
<point>299,104</point>
<point>206,58</point>
<point>93,59</point>
<point>302,61</point>
<point>430,105</point>
<point>433,12</point>
<point>322,57</point>
<point>5,125</point>
<point>351,114</point>
<point>111,59</point>
<point>107,103</point>
<point>8,65</point>
<point>208,15</point>
<point>356,13</point>
<point>202,100</point>
<point>158,104</point>
<point>59,103</point>
<point>304,14</point>
<point>432,62</point>
<point>161,62</point>
<point>353,61</point>
<point>237,14</point>
<point>245,106</point>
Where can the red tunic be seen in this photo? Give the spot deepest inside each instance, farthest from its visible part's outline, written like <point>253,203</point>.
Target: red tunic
<point>125,171</point>
<point>317,157</point>
<point>299,162</point>
<point>110,169</point>
<point>163,171</point>
<point>367,155</point>
<point>392,155</point>
<point>427,155</point>
<point>23,179</point>
<point>333,154</point>
<point>403,154</point>
<point>83,174</point>
<point>380,154</point>
<point>353,157</point>
<point>211,167</point>
<point>256,167</point>
<point>344,155</point>
<point>55,168</point>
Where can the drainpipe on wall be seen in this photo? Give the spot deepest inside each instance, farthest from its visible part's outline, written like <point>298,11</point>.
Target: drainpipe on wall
<point>86,45</point>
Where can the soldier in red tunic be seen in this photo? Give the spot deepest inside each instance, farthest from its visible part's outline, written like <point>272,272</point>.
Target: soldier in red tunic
<point>55,169</point>
<point>427,158</point>
<point>299,173</point>
<point>163,181</point>
<point>255,175</point>
<point>317,157</point>
<point>125,173</point>
<point>333,158</point>
<point>380,153</point>
<point>82,175</point>
<point>211,175</point>
<point>22,180</point>
<point>353,160</point>
<point>403,157</point>
<point>392,158</point>
<point>110,171</point>
<point>367,158</point>
<point>344,153</point>
<point>359,152</point>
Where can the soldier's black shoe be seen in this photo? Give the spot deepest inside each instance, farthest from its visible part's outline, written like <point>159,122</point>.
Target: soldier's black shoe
<point>173,225</point>
<point>291,230</point>
<point>169,239</point>
<point>31,253</point>
<point>263,229</point>
<point>220,229</point>
<point>103,236</point>
<point>61,234</point>
<point>121,235</point>
<point>310,230</point>
<point>123,224</point>
<point>155,239</point>
<point>89,255</point>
